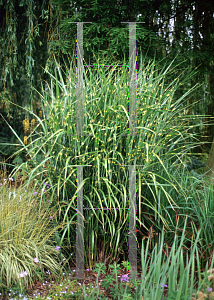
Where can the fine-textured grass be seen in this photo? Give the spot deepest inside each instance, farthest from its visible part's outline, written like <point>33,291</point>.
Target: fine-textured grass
<point>175,209</point>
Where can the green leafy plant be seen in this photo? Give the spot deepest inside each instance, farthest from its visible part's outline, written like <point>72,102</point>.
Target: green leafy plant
<point>25,231</point>
<point>160,148</point>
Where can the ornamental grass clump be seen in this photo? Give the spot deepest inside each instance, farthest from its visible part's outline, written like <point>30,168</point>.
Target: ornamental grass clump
<point>27,244</point>
<point>164,139</point>
<point>162,142</point>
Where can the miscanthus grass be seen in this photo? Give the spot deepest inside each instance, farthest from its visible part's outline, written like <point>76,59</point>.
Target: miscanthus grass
<point>174,208</point>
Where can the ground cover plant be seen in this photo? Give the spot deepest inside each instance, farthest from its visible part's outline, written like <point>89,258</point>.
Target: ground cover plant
<point>175,209</point>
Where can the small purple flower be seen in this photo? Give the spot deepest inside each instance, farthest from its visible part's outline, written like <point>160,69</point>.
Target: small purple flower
<point>36,259</point>
<point>125,278</point>
<point>210,289</point>
<point>57,247</point>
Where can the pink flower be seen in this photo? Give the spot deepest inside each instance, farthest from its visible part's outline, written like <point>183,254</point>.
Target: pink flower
<point>36,259</point>
<point>23,274</point>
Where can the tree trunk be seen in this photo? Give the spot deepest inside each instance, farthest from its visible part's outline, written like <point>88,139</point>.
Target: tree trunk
<point>207,28</point>
<point>210,162</point>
